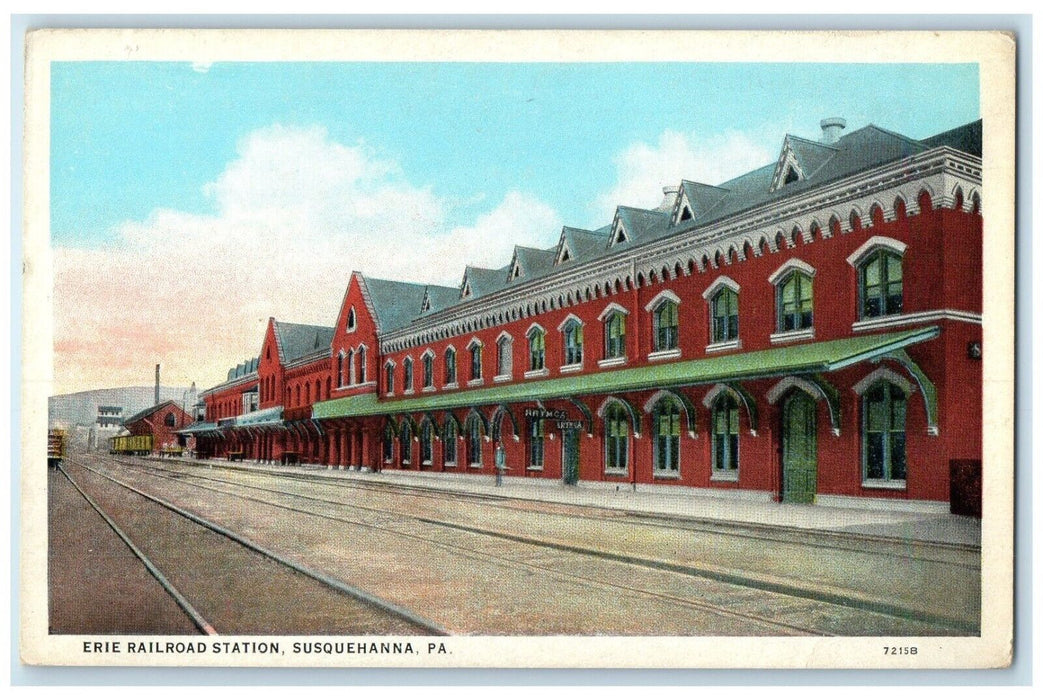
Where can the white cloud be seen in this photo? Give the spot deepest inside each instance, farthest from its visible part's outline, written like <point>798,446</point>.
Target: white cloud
<point>642,170</point>
<point>295,213</point>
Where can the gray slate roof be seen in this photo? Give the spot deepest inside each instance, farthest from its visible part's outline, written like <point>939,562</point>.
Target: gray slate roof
<point>295,340</point>
<point>394,303</point>
<point>820,163</point>
<point>438,298</point>
<point>243,368</point>
<point>148,412</point>
<point>533,262</point>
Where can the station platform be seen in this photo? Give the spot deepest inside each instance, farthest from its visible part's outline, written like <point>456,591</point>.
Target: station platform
<point>682,502</point>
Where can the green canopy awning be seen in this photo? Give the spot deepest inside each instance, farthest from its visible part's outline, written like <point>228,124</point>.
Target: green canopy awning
<point>259,419</point>
<point>826,356</point>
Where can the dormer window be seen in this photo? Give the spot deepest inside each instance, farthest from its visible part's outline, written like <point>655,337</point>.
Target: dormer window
<point>515,271</point>
<point>791,176</point>
<point>620,237</point>
<point>466,291</point>
<point>425,305</point>
<point>565,257</point>
<point>686,214</point>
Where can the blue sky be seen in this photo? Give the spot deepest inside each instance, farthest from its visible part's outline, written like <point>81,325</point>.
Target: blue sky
<point>210,197</point>
<point>131,137</point>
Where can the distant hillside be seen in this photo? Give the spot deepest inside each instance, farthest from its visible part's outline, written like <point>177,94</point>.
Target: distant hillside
<point>81,408</point>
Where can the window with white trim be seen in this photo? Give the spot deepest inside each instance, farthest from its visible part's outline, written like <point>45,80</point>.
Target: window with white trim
<point>883,433</point>
<point>617,438</point>
<point>537,349</point>
<point>450,366</point>
<point>536,443</point>
<point>725,426</point>
<point>426,440</point>
<point>429,371</point>
<point>794,302</point>
<point>724,310</point>
<point>615,335</point>
<point>665,326</point>
<point>389,378</point>
<point>351,319</point>
<point>503,356</point>
<point>407,374</point>
<point>449,442</point>
<point>389,443</point>
<point>666,428</point>
<point>475,435</point>
<point>573,339</point>
<point>476,361</point>
<point>405,442</point>
<point>880,284</point>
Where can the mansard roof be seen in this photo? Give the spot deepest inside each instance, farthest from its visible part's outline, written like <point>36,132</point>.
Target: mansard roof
<point>295,340</point>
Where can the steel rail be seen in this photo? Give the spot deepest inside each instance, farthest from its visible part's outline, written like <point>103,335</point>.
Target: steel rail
<point>197,619</point>
<point>340,586</point>
<point>728,577</point>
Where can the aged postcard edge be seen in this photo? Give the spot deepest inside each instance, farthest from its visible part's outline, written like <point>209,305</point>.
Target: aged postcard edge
<point>993,51</point>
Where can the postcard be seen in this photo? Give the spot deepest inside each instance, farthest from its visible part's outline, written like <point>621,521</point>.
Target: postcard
<point>518,349</point>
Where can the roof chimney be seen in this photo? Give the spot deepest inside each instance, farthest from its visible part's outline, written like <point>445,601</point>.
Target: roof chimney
<point>831,129</point>
<point>669,197</point>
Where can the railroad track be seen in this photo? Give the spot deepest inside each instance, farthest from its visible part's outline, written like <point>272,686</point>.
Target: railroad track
<point>960,555</point>
<point>196,560</point>
<point>406,526</point>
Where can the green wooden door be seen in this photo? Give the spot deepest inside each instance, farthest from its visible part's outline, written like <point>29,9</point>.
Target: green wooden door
<point>570,455</point>
<point>799,449</point>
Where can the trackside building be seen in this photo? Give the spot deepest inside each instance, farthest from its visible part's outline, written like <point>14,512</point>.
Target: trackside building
<point>808,332</point>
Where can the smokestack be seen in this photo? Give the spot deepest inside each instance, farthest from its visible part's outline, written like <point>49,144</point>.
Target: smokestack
<point>157,386</point>
<point>669,197</point>
<point>831,129</point>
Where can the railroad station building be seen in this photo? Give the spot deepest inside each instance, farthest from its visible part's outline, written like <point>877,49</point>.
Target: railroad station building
<point>810,331</point>
<point>163,422</point>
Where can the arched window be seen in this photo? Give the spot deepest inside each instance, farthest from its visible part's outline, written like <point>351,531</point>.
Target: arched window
<point>883,433</point>
<point>724,306</point>
<point>666,427</point>
<point>351,367</point>
<point>307,392</point>
<point>318,390</point>
<point>405,442</point>
<point>617,438</point>
<point>476,361</point>
<point>362,364</point>
<point>429,371</point>
<point>389,443</point>
<point>536,438</point>
<point>615,335</point>
<point>426,437</point>
<point>169,420</point>
<point>503,356</point>
<point>389,378</point>
<point>573,338</point>
<point>407,375</point>
<point>449,442</point>
<point>351,318</point>
<point>794,303</point>
<point>475,434</point>
<point>340,368</point>
<point>298,394</point>
<point>664,326</point>
<point>450,366</point>
<point>725,423</point>
<point>537,349</point>
<point>880,284</point>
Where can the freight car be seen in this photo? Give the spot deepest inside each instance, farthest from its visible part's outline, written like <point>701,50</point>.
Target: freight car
<point>56,446</point>
<point>140,445</point>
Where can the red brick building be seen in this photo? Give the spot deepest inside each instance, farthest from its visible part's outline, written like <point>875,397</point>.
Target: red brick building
<point>162,421</point>
<point>809,331</point>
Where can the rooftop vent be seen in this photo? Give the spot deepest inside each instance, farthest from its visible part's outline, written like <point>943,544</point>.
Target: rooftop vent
<point>831,129</point>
